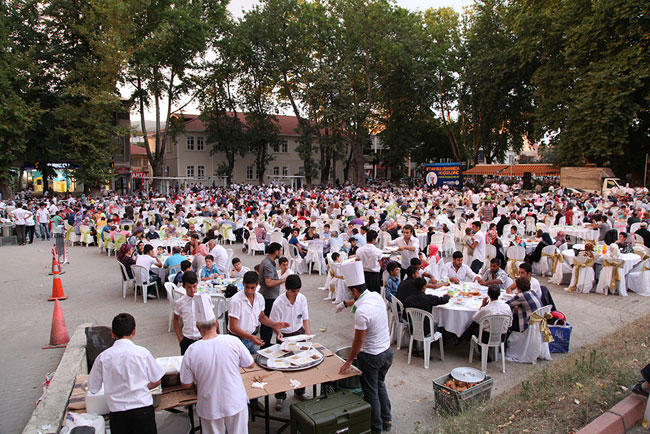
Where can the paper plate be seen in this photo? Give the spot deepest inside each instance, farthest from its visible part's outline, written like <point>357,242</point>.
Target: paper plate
<point>467,375</point>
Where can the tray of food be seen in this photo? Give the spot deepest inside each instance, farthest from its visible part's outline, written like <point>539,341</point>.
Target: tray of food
<point>290,360</point>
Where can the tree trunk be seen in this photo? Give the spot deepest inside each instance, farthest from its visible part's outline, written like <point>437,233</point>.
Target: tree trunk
<point>357,162</point>
<point>5,187</point>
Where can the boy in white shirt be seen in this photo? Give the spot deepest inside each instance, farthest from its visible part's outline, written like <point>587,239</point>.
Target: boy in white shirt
<point>127,372</point>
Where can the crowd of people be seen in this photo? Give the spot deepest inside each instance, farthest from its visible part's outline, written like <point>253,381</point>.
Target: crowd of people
<point>414,223</point>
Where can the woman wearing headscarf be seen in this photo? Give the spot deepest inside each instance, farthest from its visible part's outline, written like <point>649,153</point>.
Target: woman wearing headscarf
<point>536,255</point>
<point>125,256</point>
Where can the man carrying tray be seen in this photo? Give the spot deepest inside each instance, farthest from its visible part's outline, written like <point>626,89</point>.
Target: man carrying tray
<point>213,363</point>
<point>371,345</point>
<point>291,307</point>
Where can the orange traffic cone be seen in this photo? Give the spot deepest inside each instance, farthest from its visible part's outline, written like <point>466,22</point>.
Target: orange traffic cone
<point>55,263</point>
<point>59,336</point>
<point>57,288</point>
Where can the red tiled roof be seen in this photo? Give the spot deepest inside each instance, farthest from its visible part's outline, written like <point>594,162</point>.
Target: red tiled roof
<point>288,124</point>
<point>138,150</point>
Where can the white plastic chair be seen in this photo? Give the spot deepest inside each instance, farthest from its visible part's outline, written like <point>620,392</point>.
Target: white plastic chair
<point>528,346</point>
<point>417,317</point>
<point>296,260</point>
<point>228,269</point>
<point>254,246</point>
<point>448,244</point>
<point>227,234</point>
<point>635,227</point>
<point>220,310</point>
<point>498,324</point>
<point>605,279</point>
<point>438,239</point>
<point>638,280</point>
<point>127,281</point>
<point>141,276</point>
<point>276,237</point>
<point>171,297</point>
<point>171,277</point>
<point>399,325</point>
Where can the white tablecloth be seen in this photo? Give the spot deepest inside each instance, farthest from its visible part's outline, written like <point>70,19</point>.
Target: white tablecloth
<point>457,315</point>
<point>422,238</point>
<point>578,232</point>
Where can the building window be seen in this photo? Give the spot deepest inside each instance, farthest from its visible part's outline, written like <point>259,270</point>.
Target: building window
<point>301,171</point>
<point>199,143</point>
<point>250,171</point>
<point>276,171</point>
<point>190,171</point>
<point>200,171</point>
<point>285,171</point>
<point>190,143</point>
<point>284,147</point>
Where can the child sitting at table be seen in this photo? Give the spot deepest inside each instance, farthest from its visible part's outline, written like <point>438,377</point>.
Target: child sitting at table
<point>210,271</point>
<point>393,279</point>
<point>238,270</point>
<point>160,252</point>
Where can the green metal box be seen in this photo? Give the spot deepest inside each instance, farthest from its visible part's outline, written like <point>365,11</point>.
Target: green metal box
<point>337,413</point>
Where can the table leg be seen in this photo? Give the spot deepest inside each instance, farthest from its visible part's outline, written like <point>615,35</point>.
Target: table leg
<point>190,414</point>
<point>267,422</point>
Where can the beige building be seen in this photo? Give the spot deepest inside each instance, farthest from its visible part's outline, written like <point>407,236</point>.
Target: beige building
<point>188,158</point>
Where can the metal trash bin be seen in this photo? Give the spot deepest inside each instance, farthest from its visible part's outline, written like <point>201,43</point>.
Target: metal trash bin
<point>352,383</point>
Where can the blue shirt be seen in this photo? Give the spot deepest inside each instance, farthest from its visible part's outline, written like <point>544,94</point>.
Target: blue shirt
<point>361,240</point>
<point>174,259</point>
<point>391,287</point>
<point>207,272</point>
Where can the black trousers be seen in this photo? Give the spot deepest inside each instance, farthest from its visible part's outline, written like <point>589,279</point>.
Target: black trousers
<point>266,333</point>
<point>135,421</point>
<point>373,280</point>
<point>185,343</point>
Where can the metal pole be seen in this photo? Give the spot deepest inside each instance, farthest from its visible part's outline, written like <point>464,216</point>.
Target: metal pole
<point>645,171</point>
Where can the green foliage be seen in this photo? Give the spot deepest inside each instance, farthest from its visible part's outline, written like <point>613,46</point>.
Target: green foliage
<point>591,76</point>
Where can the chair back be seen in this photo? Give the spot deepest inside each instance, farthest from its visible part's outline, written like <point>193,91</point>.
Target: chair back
<point>125,274</point>
<point>169,288</point>
<point>293,251</point>
<point>171,277</point>
<point>634,227</point>
<point>638,239</point>
<point>276,237</point>
<point>437,239</point>
<point>220,307</point>
<point>417,317</point>
<point>516,252</point>
<point>497,324</point>
<point>397,308</point>
<point>175,269</point>
<point>139,273</point>
<point>548,250</point>
<point>490,252</point>
<point>178,292</point>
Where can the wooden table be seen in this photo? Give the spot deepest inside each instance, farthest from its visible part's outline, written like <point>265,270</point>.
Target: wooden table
<point>277,381</point>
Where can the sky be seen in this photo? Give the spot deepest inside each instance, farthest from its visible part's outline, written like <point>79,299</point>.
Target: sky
<point>238,7</point>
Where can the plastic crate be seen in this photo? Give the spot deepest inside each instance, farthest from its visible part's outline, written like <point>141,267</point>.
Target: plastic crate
<point>562,336</point>
<point>449,401</point>
<point>340,412</point>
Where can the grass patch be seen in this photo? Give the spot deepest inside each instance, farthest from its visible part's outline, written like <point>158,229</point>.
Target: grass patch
<point>565,395</point>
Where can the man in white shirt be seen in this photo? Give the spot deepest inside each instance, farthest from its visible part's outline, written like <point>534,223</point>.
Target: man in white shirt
<point>184,308</point>
<point>146,260</point>
<point>491,306</point>
<point>128,372</point>
<point>456,271</point>
<point>246,312</point>
<point>369,255</point>
<point>43,219</point>
<point>291,307</point>
<point>408,246</point>
<point>20,216</point>
<point>213,365</point>
<point>525,270</point>
<point>219,254</point>
<point>370,346</point>
<point>478,248</point>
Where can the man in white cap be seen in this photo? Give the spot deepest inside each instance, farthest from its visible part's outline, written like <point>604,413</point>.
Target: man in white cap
<point>371,345</point>
<point>213,365</point>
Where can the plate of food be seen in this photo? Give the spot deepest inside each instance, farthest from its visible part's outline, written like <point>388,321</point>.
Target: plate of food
<point>272,352</point>
<point>291,361</point>
<point>295,347</point>
<point>298,338</point>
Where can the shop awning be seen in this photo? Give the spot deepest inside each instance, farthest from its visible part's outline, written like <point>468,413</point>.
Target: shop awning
<point>513,170</point>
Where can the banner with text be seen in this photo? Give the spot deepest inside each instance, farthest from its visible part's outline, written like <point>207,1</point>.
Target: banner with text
<point>439,174</point>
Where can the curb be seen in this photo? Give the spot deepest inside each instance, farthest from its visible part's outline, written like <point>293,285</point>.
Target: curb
<point>51,410</point>
<point>623,416</point>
